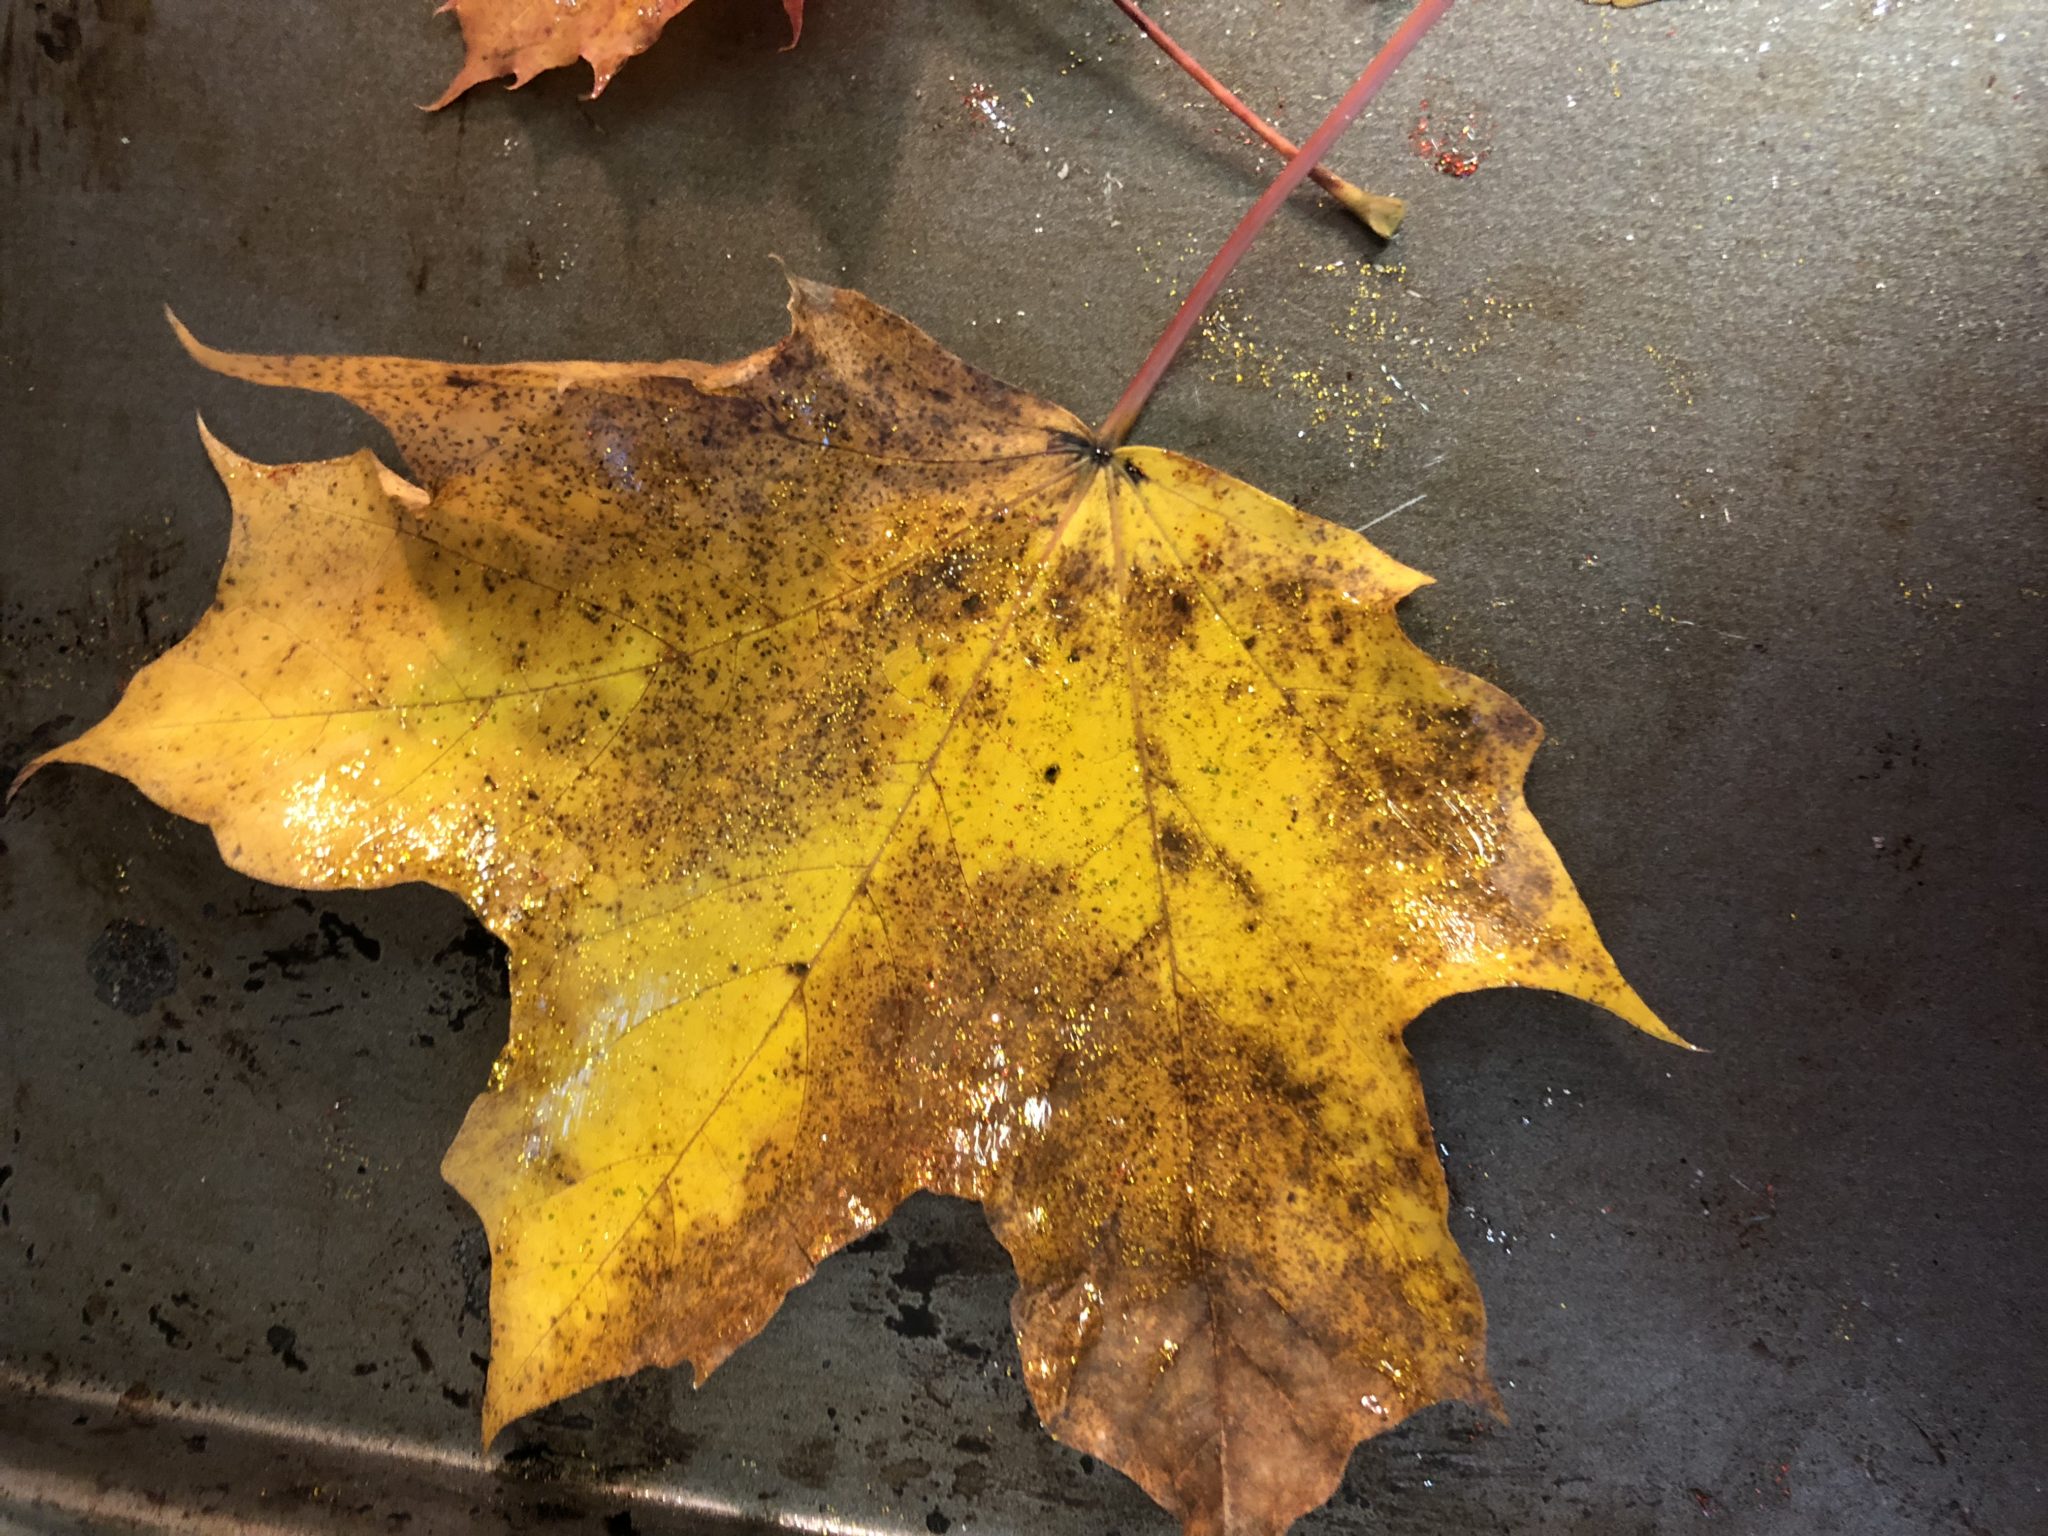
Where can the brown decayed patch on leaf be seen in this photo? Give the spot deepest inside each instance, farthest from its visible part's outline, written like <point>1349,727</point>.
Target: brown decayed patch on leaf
<point>521,38</point>
<point>881,788</point>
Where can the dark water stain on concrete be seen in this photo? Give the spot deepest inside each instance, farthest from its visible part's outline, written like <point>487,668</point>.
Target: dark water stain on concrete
<point>811,1462</point>
<point>284,1343</point>
<point>73,71</point>
<point>133,966</point>
<point>333,938</point>
<point>475,962</point>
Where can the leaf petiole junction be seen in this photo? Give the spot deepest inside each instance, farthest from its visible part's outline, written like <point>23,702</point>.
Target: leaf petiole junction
<point>1124,414</point>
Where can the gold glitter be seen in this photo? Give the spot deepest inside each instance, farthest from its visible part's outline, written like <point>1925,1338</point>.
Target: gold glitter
<point>1393,351</point>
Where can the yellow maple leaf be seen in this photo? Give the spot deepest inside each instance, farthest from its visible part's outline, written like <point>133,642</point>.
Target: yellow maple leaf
<point>880,786</point>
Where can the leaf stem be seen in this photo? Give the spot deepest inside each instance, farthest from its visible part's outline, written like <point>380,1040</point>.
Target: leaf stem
<point>1382,215</point>
<point>1124,415</point>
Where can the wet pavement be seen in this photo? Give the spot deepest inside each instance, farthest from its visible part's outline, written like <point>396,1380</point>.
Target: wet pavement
<point>1705,379</point>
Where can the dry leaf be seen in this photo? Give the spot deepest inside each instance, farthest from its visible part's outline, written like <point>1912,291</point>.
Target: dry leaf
<point>880,788</point>
<point>521,38</point>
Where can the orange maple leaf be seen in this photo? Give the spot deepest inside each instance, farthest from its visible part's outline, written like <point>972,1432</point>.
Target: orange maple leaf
<point>521,38</point>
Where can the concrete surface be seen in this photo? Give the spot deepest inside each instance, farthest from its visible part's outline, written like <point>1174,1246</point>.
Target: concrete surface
<point>1732,470</point>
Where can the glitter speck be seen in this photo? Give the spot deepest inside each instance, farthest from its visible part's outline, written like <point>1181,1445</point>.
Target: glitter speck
<point>1454,149</point>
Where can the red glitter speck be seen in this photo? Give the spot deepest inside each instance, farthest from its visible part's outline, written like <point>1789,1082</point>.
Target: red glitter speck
<point>1455,151</point>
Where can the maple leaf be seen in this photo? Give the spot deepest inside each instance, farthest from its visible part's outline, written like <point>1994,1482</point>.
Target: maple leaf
<point>521,38</point>
<point>880,786</point>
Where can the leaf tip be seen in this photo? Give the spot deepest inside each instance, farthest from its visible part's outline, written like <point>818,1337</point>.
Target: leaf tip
<point>1490,1400</point>
<point>200,353</point>
<point>1631,1008</point>
<point>798,284</point>
<point>471,75</point>
<point>503,1402</point>
<point>29,771</point>
<point>65,752</point>
<point>807,298</point>
<point>192,344</point>
<point>224,459</point>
